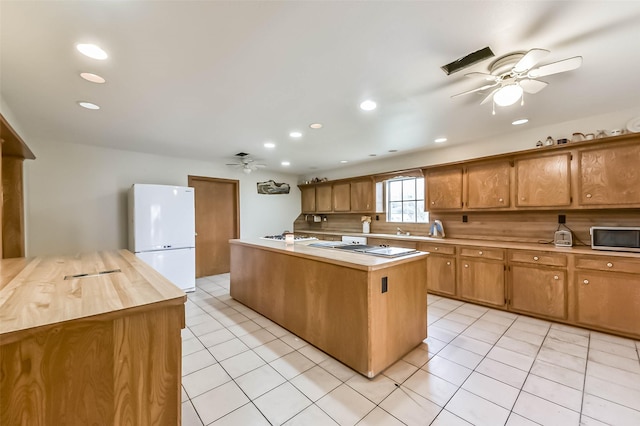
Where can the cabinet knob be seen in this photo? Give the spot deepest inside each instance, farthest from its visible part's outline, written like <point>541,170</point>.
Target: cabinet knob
<point>435,248</point>
<point>585,282</point>
<point>480,252</point>
<point>433,203</point>
<point>500,200</point>
<point>466,266</point>
<point>522,198</point>
<point>448,263</point>
<point>588,195</point>
<point>555,277</point>
<point>609,264</point>
<point>536,258</point>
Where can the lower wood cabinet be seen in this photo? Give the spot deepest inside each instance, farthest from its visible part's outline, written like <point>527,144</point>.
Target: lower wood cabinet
<point>608,293</point>
<point>482,276</point>
<point>538,283</point>
<point>441,268</point>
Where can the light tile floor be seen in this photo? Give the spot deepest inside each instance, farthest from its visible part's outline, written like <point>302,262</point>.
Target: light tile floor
<point>478,366</point>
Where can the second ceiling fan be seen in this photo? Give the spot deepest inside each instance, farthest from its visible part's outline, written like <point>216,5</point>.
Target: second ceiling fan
<point>515,73</point>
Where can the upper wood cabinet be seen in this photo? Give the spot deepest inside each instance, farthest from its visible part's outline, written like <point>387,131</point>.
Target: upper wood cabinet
<point>609,176</point>
<point>543,181</point>
<point>488,185</point>
<point>362,195</point>
<point>443,189</point>
<point>324,202</point>
<point>308,196</point>
<point>342,197</point>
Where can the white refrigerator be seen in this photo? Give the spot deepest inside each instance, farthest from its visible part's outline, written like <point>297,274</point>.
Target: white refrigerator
<point>162,231</point>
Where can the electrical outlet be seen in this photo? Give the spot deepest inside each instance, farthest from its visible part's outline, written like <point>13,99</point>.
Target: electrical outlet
<point>384,284</point>
<point>562,218</point>
<point>465,218</point>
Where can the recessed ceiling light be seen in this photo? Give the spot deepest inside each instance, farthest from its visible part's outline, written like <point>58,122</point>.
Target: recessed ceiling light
<point>344,161</point>
<point>88,105</point>
<point>285,163</point>
<point>295,134</point>
<point>92,51</point>
<point>440,140</point>
<point>521,121</point>
<point>368,105</point>
<point>315,125</point>
<point>94,78</point>
<point>373,155</point>
<point>269,145</point>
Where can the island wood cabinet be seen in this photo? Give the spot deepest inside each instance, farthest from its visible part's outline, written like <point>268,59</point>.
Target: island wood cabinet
<point>538,283</point>
<point>488,185</point>
<point>608,293</point>
<point>482,275</point>
<point>609,176</point>
<point>441,268</point>
<point>543,181</point>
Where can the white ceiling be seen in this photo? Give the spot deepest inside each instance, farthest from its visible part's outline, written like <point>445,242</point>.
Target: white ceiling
<point>207,79</point>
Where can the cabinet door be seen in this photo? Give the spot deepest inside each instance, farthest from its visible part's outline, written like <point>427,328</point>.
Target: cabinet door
<point>610,176</point>
<point>444,189</point>
<point>441,274</point>
<point>543,181</point>
<point>488,185</point>
<point>341,197</point>
<point>538,291</point>
<point>609,300</point>
<point>308,195</point>
<point>362,196</point>
<point>482,281</point>
<point>323,198</point>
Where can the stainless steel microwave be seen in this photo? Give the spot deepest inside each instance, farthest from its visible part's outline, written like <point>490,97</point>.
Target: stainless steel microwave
<point>617,238</point>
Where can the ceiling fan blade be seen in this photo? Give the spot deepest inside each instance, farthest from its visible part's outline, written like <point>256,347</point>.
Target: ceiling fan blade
<point>489,96</point>
<point>532,86</point>
<point>233,164</point>
<point>530,59</point>
<point>485,76</point>
<point>556,67</point>
<point>479,89</point>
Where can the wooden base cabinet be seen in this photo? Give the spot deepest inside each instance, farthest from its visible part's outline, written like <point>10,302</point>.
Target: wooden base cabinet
<point>608,294</point>
<point>482,275</point>
<point>538,291</point>
<point>441,268</point>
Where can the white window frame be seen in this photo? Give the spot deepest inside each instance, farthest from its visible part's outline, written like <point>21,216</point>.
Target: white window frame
<point>419,197</point>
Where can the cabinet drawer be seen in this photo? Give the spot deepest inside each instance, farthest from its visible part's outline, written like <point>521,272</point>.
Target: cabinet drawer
<point>606,263</point>
<point>537,258</point>
<point>485,253</point>
<point>437,248</point>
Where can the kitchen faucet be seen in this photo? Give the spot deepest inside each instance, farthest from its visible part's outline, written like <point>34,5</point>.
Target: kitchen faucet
<point>400,231</point>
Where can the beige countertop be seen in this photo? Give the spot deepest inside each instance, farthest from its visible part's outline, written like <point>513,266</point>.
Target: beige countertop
<point>582,250</point>
<point>34,293</point>
<point>329,255</point>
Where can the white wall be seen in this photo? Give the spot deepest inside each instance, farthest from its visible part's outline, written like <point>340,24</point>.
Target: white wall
<point>76,195</point>
<point>516,141</point>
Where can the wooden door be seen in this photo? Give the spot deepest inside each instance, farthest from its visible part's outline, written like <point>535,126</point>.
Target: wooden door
<point>543,181</point>
<point>444,189</point>
<point>217,221</point>
<point>342,197</point>
<point>488,185</point>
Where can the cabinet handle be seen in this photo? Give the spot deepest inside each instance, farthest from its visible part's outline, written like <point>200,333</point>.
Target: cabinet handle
<point>433,203</point>
<point>501,200</point>
<point>448,263</point>
<point>480,252</point>
<point>555,277</point>
<point>585,282</point>
<point>435,248</point>
<point>522,198</point>
<point>536,258</point>
<point>466,266</point>
<point>610,265</point>
<point>588,195</point>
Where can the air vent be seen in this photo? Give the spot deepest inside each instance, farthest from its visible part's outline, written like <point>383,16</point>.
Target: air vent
<point>467,61</point>
<point>241,154</point>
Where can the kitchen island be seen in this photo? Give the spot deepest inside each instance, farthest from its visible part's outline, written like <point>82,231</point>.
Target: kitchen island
<point>89,339</point>
<point>366,311</point>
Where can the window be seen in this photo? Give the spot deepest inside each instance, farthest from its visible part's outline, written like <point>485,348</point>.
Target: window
<point>405,200</point>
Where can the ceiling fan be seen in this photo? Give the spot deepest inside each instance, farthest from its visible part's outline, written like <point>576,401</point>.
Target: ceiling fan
<point>246,163</point>
<point>513,74</point>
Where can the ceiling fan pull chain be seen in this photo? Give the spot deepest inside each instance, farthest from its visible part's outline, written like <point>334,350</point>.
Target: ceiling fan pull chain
<point>494,107</point>
<point>522,100</point>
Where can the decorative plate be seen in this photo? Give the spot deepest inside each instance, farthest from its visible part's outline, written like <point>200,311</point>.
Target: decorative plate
<point>634,125</point>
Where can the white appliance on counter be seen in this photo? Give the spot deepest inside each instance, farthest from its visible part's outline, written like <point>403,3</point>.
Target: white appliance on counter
<point>162,231</point>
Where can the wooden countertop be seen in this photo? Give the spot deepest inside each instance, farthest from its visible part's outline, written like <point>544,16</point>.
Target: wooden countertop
<point>484,243</point>
<point>34,293</point>
<point>339,257</point>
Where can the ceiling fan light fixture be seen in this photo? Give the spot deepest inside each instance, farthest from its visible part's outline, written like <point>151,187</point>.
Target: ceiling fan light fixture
<point>246,170</point>
<point>508,95</point>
